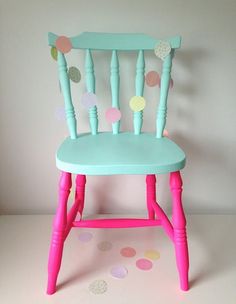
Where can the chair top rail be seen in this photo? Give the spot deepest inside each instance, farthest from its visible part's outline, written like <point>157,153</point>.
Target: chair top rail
<point>115,41</point>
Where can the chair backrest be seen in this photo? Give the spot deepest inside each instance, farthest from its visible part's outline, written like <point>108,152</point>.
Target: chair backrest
<point>115,43</point>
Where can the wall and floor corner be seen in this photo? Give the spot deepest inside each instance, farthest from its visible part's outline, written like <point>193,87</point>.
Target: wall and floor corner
<point>201,115</point>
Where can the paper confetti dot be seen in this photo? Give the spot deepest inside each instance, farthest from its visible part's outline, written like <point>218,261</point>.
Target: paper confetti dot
<point>152,254</point>
<point>144,264</point>
<point>119,272</point>
<point>60,113</point>
<point>104,246</point>
<point>128,252</point>
<point>89,100</point>
<point>98,287</point>
<point>74,74</point>
<point>113,115</point>
<point>152,79</point>
<point>54,52</point>
<point>85,237</point>
<point>63,44</point>
<point>165,133</point>
<point>162,49</point>
<point>137,103</point>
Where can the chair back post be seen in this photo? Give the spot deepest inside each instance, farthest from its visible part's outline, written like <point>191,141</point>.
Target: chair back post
<point>66,91</point>
<point>165,82</point>
<point>139,87</point>
<point>90,84</point>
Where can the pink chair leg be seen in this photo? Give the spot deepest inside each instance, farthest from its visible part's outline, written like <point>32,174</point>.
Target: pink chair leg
<point>151,194</point>
<point>59,226</point>
<point>80,190</point>
<point>78,205</point>
<point>179,225</point>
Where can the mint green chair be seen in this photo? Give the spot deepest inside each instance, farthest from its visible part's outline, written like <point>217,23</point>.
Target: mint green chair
<point>115,152</point>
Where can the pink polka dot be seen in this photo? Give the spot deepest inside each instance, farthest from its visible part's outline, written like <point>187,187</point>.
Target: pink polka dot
<point>152,79</point>
<point>166,133</point>
<point>113,115</point>
<point>144,264</point>
<point>128,252</point>
<point>63,44</point>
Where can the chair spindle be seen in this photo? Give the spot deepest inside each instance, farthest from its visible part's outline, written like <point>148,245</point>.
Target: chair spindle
<point>162,109</point>
<point>90,84</point>
<point>66,91</point>
<point>139,86</point>
<point>115,85</point>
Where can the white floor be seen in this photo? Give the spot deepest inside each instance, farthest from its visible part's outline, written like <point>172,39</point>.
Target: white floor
<point>24,242</point>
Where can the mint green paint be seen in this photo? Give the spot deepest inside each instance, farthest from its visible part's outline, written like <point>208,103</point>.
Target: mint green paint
<point>107,41</point>
<point>90,84</point>
<point>115,85</point>
<point>139,86</point>
<point>65,87</point>
<point>162,108</point>
<point>106,154</point>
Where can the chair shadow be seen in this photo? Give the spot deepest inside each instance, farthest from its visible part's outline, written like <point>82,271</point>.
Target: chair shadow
<point>220,257</point>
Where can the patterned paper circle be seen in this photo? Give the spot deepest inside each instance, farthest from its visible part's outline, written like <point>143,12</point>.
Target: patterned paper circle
<point>63,44</point>
<point>113,115</point>
<point>137,103</point>
<point>162,49</point>
<point>152,79</point>
<point>128,252</point>
<point>144,264</point>
<point>54,53</point>
<point>119,272</point>
<point>152,254</point>
<point>89,100</point>
<point>98,286</point>
<point>74,74</point>
<point>104,246</point>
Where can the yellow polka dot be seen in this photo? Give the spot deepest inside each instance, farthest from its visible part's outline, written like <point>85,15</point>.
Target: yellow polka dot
<point>152,254</point>
<point>54,53</point>
<point>137,103</point>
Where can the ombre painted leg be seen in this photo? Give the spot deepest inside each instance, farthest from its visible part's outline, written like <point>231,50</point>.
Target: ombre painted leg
<point>179,226</point>
<point>59,226</point>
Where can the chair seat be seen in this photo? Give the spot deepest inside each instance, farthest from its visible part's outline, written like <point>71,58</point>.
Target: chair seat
<point>125,153</point>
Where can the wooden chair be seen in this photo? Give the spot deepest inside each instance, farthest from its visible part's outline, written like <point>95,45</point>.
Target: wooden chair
<point>109,153</point>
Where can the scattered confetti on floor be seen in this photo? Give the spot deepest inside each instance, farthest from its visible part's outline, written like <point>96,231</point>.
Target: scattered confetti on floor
<point>85,237</point>
<point>119,272</point>
<point>144,264</point>
<point>104,246</point>
<point>128,252</point>
<point>152,254</point>
<point>98,287</point>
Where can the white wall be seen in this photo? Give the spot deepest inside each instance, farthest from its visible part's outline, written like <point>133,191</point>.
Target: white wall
<point>201,114</point>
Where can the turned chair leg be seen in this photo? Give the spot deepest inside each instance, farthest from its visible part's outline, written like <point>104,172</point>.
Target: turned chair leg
<point>80,191</point>
<point>179,226</point>
<point>59,226</point>
<point>150,194</point>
